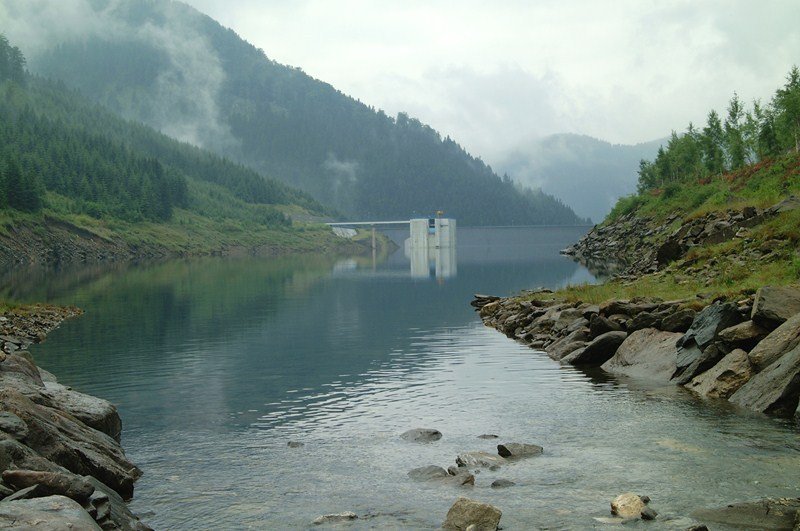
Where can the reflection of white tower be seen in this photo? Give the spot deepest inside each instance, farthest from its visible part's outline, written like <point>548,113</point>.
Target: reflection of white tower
<point>432,240</point>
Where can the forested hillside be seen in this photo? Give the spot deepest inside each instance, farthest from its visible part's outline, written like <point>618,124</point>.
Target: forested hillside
<point>61,152</point>
<point>171,67</point>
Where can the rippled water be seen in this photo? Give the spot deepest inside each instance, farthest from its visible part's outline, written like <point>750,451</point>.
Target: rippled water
<point>216,364</point>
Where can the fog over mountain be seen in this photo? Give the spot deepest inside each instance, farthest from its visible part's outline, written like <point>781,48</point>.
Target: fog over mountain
<point>586,173</point>
<point>165,64</point>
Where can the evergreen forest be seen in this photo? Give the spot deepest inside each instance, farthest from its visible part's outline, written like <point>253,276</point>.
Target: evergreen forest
<point>204,84</point>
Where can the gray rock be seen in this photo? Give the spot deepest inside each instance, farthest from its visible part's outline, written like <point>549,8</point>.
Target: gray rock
<point>92,411</point>
<point>691,361</point>
<point>709,322</point>
<point>19,369</point>
<point>427,473</point>
<point>502,483</point>
<point>563,346</point>
<point>743,335</point>
<point>599,325</point>
<point>64,440</point>
<point>295,444</point>
<point>337,517</point>
<point>776,389</point>
<point>679,321</point>
<point>644,320</point>
<point>790,203</point>
<point>488,436</point>
<point>600,350</point>
<point>465,513</point>
<point>517,450</point>
<point>724,378</point>
<point>479,459</point>
<point>630,505</point>
<point>775,304</point>
<point>24,494</point>
<point>778,342</point>
<point>422,435</point>
<point>51,483</point>
<point>112,511</point>
<point>647,353</point>
<point>52,513</point>
<point>769,513</point>
<point>13,425</point>
<point>14,454</point>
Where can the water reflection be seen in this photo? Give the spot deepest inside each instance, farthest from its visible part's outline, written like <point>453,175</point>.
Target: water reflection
<point>216,363</point>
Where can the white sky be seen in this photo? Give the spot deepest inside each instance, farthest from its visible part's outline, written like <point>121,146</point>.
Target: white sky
<point>493,75</point>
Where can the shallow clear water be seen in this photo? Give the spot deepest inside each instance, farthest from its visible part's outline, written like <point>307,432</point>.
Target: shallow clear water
<point>216,364</point>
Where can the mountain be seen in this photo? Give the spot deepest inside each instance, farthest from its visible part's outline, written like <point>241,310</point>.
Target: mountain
<point>587,173</point>
<point>70,168</point>
<point>167,65</point>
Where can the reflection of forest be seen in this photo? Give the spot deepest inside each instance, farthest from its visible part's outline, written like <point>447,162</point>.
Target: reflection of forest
<point>249,330</point>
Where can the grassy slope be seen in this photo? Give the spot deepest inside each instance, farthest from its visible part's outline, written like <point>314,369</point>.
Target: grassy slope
<point>715,270</point>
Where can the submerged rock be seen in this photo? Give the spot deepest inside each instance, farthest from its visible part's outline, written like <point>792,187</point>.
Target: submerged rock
<point>488,436</point>
<point>466,513</point>
<point>479,459</point>
<point>502,483</point>
<point>295,444</point>
<point>769,513</point>
<point>517,450</point>
<point>427,473</point>
<point>422,435</point>
<point>337,517</point>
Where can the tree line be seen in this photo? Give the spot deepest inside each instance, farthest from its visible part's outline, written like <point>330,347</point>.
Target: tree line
<point>725,144</point>
<point>52,140</point>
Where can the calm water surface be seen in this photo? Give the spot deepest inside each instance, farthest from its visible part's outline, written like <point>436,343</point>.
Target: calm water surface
<point>216,364</point>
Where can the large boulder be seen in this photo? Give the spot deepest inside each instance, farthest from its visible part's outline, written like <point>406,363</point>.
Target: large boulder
<point>111,510</point>
<point>775,304</point>
<point>598,351</point>
<point>466,513</point>
<point>692,361</point>
<point>630,505</point>
<point>778,342</point>
<point>427,473</point>
<point>678,321</point>
<point>647,353</point>
<point>66,441</point>
<point>51,513</point>
<point>709,322</point>
<point>421,435</point>
<point>774,390</point>
<point>563,346</point>
<point>769,513</point>
<point>743,335</point>
<point>599,325</point>
<point>92,411</point>
<point>724,378</point>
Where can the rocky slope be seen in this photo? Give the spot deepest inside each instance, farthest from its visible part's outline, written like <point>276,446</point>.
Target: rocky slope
<point>61,462</point>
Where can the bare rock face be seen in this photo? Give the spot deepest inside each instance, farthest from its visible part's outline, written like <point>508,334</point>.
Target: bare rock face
<point>779,341</point>
<point>51,513</point>
<point>64,440</point>
<point>724,378</point>
<point>776,389</point>
<point>775,304</point>
<point>466,513</point>
<point>647,353</point>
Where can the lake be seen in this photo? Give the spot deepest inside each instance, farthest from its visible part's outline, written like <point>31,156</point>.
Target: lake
<point>216,364</point>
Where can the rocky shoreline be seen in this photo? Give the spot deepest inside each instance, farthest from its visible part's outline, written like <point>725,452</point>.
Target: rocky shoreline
<point>60,457</point>
<point>745,351</point>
